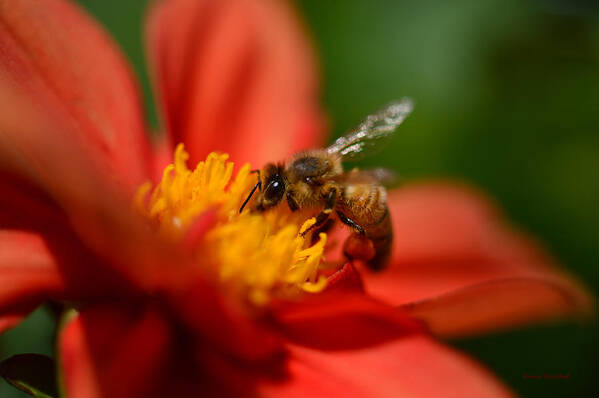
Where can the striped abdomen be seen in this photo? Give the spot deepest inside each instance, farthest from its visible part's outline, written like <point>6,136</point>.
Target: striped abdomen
<point>366,206</point>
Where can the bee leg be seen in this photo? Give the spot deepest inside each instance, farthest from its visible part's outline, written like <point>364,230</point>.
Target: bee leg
<point>326,227</point>
<point>329,204</point>
<point>291,201</point>
<point>348,221</point>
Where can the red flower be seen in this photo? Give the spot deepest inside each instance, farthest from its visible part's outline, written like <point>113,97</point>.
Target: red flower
<point>234,76</point>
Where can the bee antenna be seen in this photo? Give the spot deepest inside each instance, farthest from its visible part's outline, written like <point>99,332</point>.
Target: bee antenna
<point>258,185</point>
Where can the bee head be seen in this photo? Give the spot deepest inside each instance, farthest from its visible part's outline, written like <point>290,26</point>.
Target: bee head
<point>272,188</point>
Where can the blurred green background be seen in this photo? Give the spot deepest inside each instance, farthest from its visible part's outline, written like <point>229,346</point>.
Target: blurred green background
<point>507,98</point>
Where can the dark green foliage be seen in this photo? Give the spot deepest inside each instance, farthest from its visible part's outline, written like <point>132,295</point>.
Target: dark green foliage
<point>34,374</point>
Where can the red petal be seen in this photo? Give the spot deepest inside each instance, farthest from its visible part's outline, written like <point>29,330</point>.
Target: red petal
<point>457,266</point>
<point>224,326</point>
<point>36,267</point>
<point>235,76</point>
<point>24,207</point>
<point>113,352</point>
<point>346,278</point>
<point>337,320</point>
<point>64,63</point>
<point>125,352</point>
<point>28,269</point>
<point>96,209</point>
<point>41,257</point>
<point>70,123</point>
<point>414,366</point>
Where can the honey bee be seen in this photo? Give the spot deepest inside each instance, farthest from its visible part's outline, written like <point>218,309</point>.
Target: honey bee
<point>358,198</point>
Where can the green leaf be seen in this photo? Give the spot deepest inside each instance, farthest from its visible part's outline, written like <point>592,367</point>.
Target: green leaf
<point>34,374</point>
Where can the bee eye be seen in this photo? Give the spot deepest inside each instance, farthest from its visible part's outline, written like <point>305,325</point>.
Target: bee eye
<point>274,190</point>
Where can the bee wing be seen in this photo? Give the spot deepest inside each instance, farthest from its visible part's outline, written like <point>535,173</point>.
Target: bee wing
<point>380,176</point>
<point>374,131</point>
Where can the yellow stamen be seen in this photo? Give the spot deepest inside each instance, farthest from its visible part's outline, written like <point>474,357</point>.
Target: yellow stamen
<point>253,255</point>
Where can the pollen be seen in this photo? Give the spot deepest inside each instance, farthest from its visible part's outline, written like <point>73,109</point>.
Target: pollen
<point>255,256</point>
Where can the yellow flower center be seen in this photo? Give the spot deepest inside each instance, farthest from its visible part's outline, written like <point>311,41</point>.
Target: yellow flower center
<point>253,255</point>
